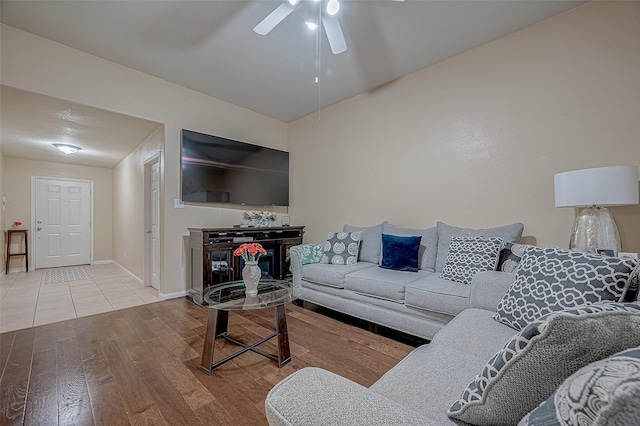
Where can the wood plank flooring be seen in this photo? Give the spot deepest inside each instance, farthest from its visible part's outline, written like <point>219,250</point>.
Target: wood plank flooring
<point>140,366</point>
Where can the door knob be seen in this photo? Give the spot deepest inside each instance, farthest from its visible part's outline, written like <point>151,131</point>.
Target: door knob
<point>39,229</point>
<point>148,231</point>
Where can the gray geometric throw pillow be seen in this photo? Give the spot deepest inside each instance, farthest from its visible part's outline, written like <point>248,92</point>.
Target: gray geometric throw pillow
<point>605,392</point>
<point>550,279</point>
<point>527,370</point>
<point>469,255</point>
<point>342,248</point>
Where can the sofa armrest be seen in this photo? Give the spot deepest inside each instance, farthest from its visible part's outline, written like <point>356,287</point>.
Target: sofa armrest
<point>296,266</point>
<point>488,288</point>
<point>313,396</point>
<point>300,255</point>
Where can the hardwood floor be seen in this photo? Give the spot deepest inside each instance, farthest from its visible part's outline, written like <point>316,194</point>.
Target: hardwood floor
<point>140,366</point>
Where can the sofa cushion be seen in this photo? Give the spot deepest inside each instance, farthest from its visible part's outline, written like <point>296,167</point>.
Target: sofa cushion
<point>427,380</point>
<point>605,392</point>
<point>550,279</point>
<point>470,255</point>
<point>382,283</point>
<point>400,253</point>
<point>342,248</point>
<point>331,275</point>
<point>539,358</point>
<point>435,294</point>
<point>462,333</point>
<point>509,233</point>
<point>370,241</point>
<point>428,243</point>
<point>510,257</point>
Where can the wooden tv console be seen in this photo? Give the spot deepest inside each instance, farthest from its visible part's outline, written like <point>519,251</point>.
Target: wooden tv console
<point>211,253</point>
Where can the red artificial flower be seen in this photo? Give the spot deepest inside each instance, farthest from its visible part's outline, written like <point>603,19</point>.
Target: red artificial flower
<point>249,251</point>
<point>17,223</point>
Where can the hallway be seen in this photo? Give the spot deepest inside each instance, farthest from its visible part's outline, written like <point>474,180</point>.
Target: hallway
<point>27,299</point>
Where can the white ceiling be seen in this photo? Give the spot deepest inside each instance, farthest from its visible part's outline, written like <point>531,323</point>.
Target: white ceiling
<point>32,123</point>
<point>210,47</point>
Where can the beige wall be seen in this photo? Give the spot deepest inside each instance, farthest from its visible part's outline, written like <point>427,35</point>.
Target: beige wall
<point>128,204</point>
<point>2,211</point>
<point>39,65</point>
<point>18,173</point>
<point>475,140</point>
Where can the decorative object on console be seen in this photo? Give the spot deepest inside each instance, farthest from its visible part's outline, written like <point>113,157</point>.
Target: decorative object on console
<point>400,253</point>
<point>17,224</point>
<point>251,272</point>
<point>259,218</point>
<point>342,248</point>
<point>604,392</point>
<point>594,229</point>
<point>550,279</point>
<point>539,358</point>
<point>470,255</point>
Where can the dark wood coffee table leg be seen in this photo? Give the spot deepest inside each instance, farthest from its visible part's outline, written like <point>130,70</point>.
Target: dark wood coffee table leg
<point>282,334</point>
<point>217,325</point>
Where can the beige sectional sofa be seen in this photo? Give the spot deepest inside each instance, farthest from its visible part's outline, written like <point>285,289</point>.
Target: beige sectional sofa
<point>555,343</point>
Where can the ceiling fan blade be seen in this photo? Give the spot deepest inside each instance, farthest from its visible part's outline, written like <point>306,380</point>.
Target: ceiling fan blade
<point>274,18</point>
<point>334,34</point>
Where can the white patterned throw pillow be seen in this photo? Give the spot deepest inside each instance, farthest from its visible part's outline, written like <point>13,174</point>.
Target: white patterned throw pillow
<point>342,248</point>
<point>550,279</point>
<point>469,255</point>
<point>527,370</point>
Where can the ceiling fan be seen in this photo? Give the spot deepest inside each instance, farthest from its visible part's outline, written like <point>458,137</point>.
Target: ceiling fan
<point>328,13</point>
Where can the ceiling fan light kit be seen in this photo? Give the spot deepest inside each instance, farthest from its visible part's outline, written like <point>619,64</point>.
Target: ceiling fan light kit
<point>329,20</point>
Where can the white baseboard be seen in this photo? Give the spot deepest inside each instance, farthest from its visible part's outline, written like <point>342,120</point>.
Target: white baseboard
<point>131,274</point>
<point>173,295</point>
<point>12,270</point>
<point>102,262</point>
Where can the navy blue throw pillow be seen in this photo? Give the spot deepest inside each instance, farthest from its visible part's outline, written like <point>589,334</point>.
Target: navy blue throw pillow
<point>400,253</point>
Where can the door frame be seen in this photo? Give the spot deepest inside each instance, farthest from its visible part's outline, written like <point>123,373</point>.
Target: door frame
<point>33,215</point>
<point>146,274</point>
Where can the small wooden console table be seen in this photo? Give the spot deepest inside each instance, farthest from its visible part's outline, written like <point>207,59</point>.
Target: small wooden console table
<point>10,233</point>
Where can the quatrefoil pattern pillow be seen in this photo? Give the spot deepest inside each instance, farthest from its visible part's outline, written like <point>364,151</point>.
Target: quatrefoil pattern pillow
<point>342,248</point>
<point>551,279</point>
<point>469,255</point>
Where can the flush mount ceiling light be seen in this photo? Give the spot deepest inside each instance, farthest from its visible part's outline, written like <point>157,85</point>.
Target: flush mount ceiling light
<point>67,149</point>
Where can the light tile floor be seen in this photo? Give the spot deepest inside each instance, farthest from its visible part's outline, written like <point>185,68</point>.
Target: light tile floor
<point>27,301</point>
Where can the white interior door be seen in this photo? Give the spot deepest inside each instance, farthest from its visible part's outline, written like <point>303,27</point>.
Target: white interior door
<point>62,222</point>
<point>152,223</point>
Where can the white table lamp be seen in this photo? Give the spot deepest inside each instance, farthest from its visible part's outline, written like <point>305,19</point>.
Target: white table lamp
<point>594,229</point>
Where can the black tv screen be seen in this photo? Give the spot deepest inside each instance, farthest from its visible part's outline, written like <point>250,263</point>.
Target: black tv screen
<point>219,170</point>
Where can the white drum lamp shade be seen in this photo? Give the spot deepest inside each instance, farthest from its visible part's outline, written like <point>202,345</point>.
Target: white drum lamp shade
<point>594,229</point>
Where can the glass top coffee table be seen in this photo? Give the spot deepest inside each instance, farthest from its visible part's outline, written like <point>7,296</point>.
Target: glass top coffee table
<point>224,298</point>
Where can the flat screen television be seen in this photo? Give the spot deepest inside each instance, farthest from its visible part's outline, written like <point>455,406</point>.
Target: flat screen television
<point>219,170</point>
